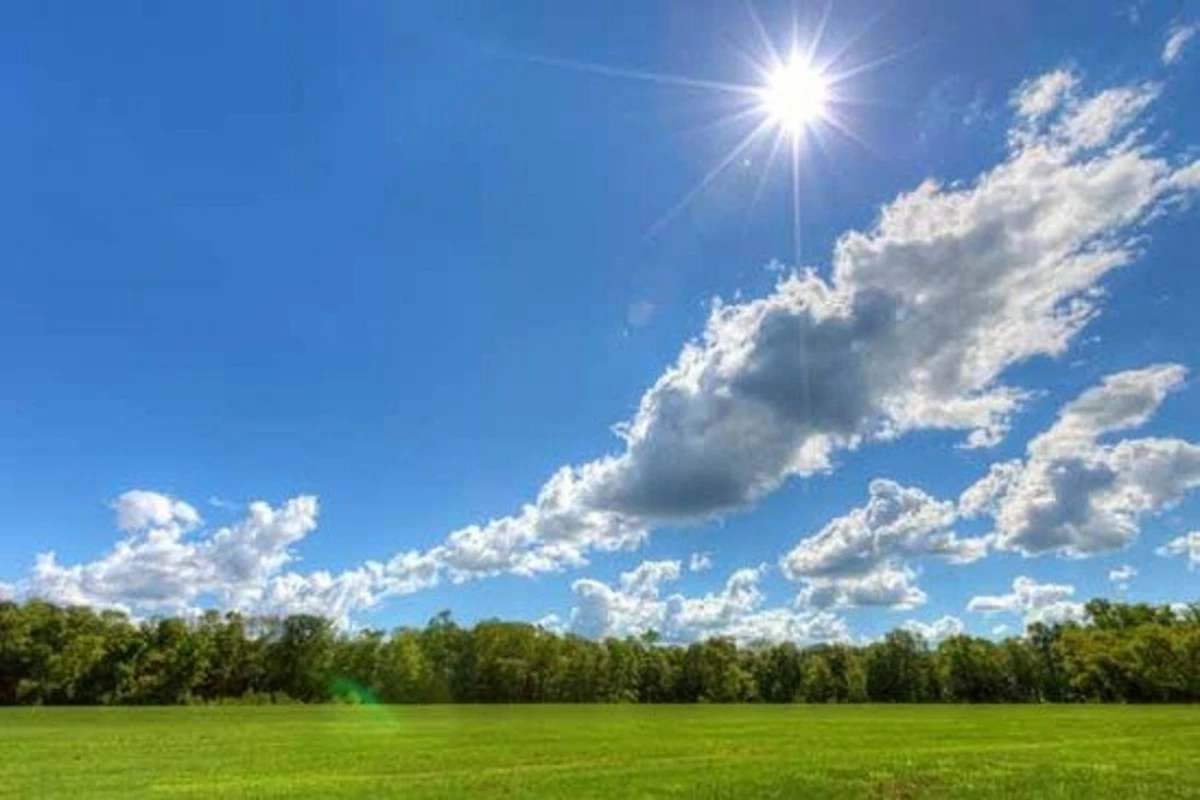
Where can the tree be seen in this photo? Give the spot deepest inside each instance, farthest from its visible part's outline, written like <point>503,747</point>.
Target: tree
<point>56,655</point>
<point>898,669</point>
<point>299,660</point>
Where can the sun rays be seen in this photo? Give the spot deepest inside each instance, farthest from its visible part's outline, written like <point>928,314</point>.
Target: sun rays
<point>797,101</point>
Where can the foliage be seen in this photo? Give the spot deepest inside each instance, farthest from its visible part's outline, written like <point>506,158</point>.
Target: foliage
<point>76,656</point>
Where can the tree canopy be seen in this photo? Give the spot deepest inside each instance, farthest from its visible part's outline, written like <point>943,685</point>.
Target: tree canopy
<point>56,655</point>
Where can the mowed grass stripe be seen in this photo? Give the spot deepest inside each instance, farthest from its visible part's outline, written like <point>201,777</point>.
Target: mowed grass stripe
<point>602,751</point>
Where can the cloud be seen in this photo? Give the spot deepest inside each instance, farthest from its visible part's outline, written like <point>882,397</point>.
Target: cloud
<point>939,629</point>
<point>861,557</point>
<point>223,504</point>
<point>918,320</point>
<point>999,630</point>
<point>639,313</point>
<point>1133,12</point>
<point>1038,97</point>
<point>637,605</point>
<point>1177,41</point>
<point>886,586</point>
<point>1187,545</point>
<point>1078,496</point>
<point>700,562</point>
<point>139,510</point>
<point>913,327</point>
<point>1122,575</point>
<point>157,567</point>
<point>1037,602</point>
<point>552,533</point>
<point>896,522</point>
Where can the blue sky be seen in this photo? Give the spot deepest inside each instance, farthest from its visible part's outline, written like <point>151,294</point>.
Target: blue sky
<point>413,261</point>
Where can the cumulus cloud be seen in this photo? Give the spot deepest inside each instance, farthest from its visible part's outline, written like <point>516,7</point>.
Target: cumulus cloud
<point>861,557</point>
<point>159,567</point>
<point>550,534</point>
<point>886,586</point>
<point>700,562</point>
<point>1177,41</point>
<point>139,510</point>
<point>1187,545</point>
<point>1078,496</point>
<point>1036,602</point>
<point>941,628</point>
<point>1039,96</point>
<point>637,604</point>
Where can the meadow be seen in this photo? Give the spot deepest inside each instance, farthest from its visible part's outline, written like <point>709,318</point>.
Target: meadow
<point>604,751</point>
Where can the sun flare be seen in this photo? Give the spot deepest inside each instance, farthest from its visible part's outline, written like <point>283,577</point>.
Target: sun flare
<point>797,105</point>
<point>795,96</point>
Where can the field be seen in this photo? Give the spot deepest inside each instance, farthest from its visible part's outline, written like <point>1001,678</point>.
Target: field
<point>602,751</point>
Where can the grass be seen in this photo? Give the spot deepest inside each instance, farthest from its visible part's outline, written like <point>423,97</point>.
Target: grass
<point>602,751</point>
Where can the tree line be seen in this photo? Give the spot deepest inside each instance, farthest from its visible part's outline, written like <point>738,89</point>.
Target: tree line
<point>73,655</point>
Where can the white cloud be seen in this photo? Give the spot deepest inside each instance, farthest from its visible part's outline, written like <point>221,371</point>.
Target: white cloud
<point>861,557</point>
<point>1122,575</point>
<point>1039,96</point>
<point>552,533</point>
<point>646,579</point>
<point>322,593</point>
<point>999,630</point>
<point>896,522</point>
<point>1037,602</point>
<point>223,504</point>
<point>139,510</point>
<point>1094,122</point>
<point>884,586</point>
<point>700,562</point>
<point>1074,494</point>
<point>1177,40</point>
<point>157,567</point>
<point>941,628</point>
<point>1187,545</point>
<point>637,605</point>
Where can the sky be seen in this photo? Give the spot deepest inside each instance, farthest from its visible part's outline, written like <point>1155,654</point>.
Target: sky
<point>559,313</point>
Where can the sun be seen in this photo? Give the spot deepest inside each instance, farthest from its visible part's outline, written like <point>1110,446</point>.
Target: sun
<point>795,96</point>
<point>798,102</point>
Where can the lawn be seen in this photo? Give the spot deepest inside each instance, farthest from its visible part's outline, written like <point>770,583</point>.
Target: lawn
<point>602,751</point>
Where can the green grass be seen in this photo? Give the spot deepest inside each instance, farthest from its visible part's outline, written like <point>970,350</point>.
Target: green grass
<point>602,751</point>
